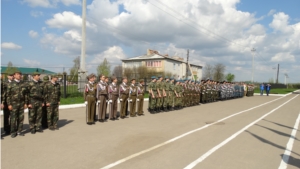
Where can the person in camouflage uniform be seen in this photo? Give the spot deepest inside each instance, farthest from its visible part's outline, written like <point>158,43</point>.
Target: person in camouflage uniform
<point>152,95</point>
<point>160,92</point>
<point>166,89</point>
<point>172,97</point>
<point>16,101</point>
<point>52,97</point>
<point>35,103</point>
<point>177,93</point>
<point>4,106</point>
<point>44,108</point>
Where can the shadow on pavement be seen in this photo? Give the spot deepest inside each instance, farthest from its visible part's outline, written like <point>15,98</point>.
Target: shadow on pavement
<point>291,161</point>
<point>277,132</point>
<point>280,125</point>
<point>268,142</point>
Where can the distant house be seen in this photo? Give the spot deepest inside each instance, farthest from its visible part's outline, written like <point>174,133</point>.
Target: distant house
<point>28,71</point>
<point>163,63</point>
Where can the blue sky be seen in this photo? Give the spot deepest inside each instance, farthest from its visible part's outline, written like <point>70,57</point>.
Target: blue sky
<point>53,45</point>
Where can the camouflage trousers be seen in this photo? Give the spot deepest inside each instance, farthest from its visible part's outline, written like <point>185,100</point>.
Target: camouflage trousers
<point>35,115</point>
<point>17,118</point>
<point>52,115</point>
<point>153,100</point>
<point>159,101</point>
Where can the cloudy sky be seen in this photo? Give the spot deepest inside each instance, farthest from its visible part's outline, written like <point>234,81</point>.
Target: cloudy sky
<point>47,33</point>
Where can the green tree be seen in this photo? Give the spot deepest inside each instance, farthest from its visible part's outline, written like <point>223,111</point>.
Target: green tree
<point>219,70</point>
<point>104,68</point>
<point>230,77</point>
<point>10,68</point>
<point>74,70</point>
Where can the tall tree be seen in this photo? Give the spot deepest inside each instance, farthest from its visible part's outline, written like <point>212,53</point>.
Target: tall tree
<point>10,68</point>
<point>104,68</point>
<point>117,72</point>
<point>74,70</point>
<point>208,71</point>
<point>229,77</point>
<point>219,70</point>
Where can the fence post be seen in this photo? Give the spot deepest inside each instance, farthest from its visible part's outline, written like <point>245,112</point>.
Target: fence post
<point>65,84</point>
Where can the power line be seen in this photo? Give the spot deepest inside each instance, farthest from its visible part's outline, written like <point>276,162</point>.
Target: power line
<point>216,35</point>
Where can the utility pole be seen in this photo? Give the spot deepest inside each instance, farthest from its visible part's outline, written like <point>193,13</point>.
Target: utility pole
<point>253,52</point>
<point>187,64</point>
<point>274,68</point>
<point>285,79</point>
<point>277,74</point>
<point>82,72</point>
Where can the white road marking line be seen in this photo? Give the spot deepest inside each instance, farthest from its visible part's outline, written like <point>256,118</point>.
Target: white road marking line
<point>180,136</point>
<point>289,146</point>
<point>208,153</point>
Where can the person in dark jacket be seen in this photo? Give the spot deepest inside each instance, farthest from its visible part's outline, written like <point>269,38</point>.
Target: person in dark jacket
<point>268,88</point>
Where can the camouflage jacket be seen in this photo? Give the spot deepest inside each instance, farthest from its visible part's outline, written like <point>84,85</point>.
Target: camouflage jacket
<point>35,91</point>
<point>52,93</point>
<point>16,92</point>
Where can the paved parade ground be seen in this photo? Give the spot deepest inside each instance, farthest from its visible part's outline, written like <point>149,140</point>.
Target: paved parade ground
<point>256,132</point>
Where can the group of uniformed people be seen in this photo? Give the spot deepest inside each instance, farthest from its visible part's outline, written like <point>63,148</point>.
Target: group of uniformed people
<point>102,95</point>
<point>167,94</point>
<point>42,99</point>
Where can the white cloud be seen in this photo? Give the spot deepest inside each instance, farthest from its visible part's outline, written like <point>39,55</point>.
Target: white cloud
<point>69,20</point>
<point>33,34</point>
<point>36,13</point>
<point>10,45</point>
<point>287,57</point>
<point>215,31</point>
<point>271,12</point>
<point>31,63</point>
<point>113,54</point>
<point>50,3</point>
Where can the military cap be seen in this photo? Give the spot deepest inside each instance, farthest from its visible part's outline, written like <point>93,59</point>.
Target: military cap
<point>17,71</point>
<point>54,76</point>
<point>153,77</point>
<point>159,76</point>
<point>166,77</point>
<point>45,78</point>
<point>35,73</point>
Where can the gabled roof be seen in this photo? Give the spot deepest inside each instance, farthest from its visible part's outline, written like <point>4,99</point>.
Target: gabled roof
<point>27,70</point>
<point>152,55</point>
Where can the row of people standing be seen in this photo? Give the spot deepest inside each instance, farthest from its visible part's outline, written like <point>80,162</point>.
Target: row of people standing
<point>102,96</point>
<point>166,94</point>
<point>17,95</point>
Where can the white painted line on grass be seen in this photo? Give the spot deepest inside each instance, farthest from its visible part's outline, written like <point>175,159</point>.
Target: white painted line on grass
<point>181,136</point>
<point>289,146</point>
<point>208,153</point>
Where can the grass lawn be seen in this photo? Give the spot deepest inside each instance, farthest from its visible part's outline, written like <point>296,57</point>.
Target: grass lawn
<point>276,91</point>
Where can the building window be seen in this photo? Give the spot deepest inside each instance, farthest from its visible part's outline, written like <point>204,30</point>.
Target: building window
<point>133,64</point>
<point>156,63</point>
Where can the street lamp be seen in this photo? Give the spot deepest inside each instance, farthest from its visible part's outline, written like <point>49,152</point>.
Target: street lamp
<point>253,52</point>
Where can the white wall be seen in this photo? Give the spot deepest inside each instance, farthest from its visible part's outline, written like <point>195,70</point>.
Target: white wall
<point>169,67</point>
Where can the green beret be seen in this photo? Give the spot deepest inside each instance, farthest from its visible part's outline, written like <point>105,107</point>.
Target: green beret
<point>166,77</point>
<point>159,76</point>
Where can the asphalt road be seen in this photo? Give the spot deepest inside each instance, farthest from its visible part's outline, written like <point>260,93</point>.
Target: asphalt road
<point>253,132</point>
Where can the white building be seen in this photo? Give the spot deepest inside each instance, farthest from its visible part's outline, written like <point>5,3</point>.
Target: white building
<point>163,63</point>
